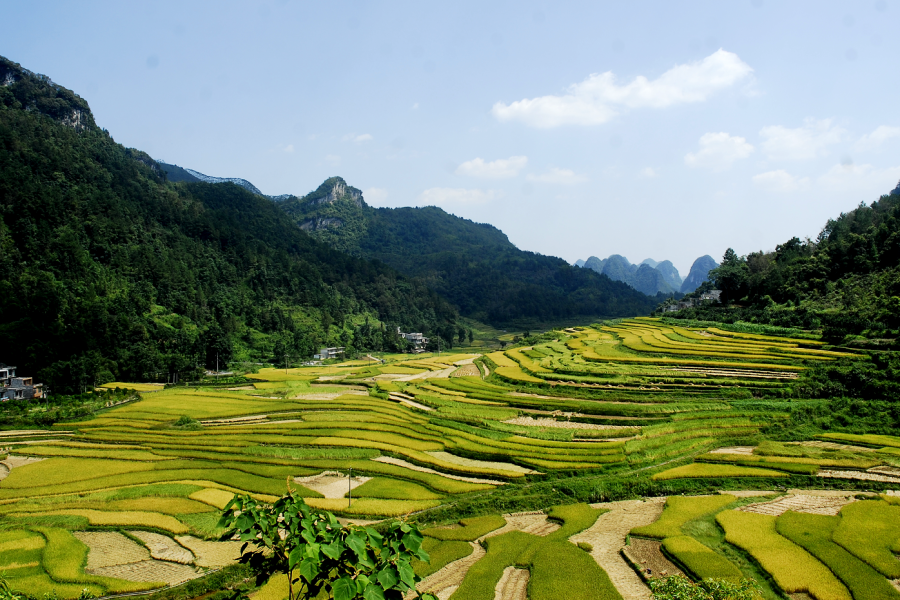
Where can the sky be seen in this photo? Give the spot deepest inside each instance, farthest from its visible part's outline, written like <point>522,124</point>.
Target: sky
<point>664,130</point>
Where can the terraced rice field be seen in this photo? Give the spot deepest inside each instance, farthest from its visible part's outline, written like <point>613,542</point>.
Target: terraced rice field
<point>129,501</point>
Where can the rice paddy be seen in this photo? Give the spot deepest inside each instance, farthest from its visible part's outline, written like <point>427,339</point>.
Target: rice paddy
<point>417,435</point>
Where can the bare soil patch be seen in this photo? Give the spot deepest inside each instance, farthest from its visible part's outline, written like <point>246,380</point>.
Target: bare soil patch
<point>747,450</point>
<point>835,446</point>
<point>470,462</point>
<point>816,505</point>
<point>548,422</point>
<point>331,484</point>
<point>109,548</point>
<point>513,585</point>
<point>211,554</point>
<point>408,402</point>
<point>860,475</point>
<point>645,555</point>
<point>408,465</point>
<point>164,548</point>
<point>150,571</point>
<point>469,370</point>
<point>607,537</point>
<point>535,523</point>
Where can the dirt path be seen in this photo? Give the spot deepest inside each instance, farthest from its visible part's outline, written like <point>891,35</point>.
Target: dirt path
<point>513,585</point>
<point>607,537</point>
<point>452,574</point>
<point>548,422</point>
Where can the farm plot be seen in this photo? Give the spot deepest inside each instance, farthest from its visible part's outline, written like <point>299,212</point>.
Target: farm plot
<point>424,433</point>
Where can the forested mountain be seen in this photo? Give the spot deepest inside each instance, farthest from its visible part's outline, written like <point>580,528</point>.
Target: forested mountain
<point>847,281</point>
<point>473,265</point>
<point>649,277</point>
<point>109,271</point>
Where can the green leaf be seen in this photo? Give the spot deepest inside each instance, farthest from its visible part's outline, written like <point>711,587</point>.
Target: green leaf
<point>333,550</point>
<point>388,577</point>
<point>344,589</point>
<point>373,592</point>
<point>309,568</point>
<point>357,544</point>
<point>407,575</point>
<point>244,522</point>
<point>295,556</point>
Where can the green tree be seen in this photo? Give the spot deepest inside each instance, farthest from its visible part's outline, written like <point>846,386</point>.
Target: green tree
<point>731,276</point>
<point>318,554</point>
<point>677,587</point>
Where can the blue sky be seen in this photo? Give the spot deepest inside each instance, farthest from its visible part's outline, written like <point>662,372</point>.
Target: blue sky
<point>665,130</point>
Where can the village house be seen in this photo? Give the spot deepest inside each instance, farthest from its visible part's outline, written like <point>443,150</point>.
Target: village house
<point>418,340</point>
<point>326,353</point>
<point>18,388</point>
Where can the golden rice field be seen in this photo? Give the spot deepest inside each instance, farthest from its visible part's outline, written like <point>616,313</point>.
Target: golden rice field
<point>421,434</point>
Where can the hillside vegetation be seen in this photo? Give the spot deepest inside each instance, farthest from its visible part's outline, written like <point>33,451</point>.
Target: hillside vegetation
<point>110,272</point>
<point>473,265</point>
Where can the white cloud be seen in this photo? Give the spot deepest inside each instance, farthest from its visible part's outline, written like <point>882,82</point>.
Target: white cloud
<point>649,173</point>
<point>415,106</point>
<point>861,179</point>
<point>375,196</point>
<point>503,168</point>
<point>780,181</point>
<point>333,159</point>
<point>289,148</point>
<point>559,176</point>
<point>444,196</point>
<point>599,98</point>
<point>877,137</point>
<point>352,137</point>
<point>805,142</point>
<point>718,151</point>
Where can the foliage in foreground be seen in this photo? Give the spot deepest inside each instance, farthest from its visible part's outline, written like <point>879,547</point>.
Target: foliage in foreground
<point>319,555</point>
<point>676,587</point>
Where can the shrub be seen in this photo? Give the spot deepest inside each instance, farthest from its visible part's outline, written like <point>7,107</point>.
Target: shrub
<point>792,568</point>
<point>676,587</point>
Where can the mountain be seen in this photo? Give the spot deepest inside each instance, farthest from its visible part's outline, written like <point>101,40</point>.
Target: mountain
<point>175,173</point>
<point>699,273</point>
<point>649,277</point>
<point>670,274</point>
<point>474,265</point>
<point>111,272</point>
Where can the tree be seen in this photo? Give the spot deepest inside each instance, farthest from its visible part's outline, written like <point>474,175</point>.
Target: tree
<point>318,554</point>
<point>731,276</point>
<point>677,587</point>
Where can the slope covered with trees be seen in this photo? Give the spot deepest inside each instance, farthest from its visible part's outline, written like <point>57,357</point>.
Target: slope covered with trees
<point>474,265</point>
<point>111,272</point>
<point>846,282</point>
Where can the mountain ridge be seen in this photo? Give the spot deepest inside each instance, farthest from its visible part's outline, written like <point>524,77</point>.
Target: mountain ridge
<point>474,265</point>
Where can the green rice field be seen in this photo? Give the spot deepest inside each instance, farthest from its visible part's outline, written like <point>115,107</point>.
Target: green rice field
<point>549,428</point>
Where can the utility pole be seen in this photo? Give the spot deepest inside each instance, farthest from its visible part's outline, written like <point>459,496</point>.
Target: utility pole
<point>350,488</point>
<point>285,363</point>
<point>217,367</point>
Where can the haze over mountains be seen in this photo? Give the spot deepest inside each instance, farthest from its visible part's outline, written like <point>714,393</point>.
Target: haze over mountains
<point>649,276</point>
